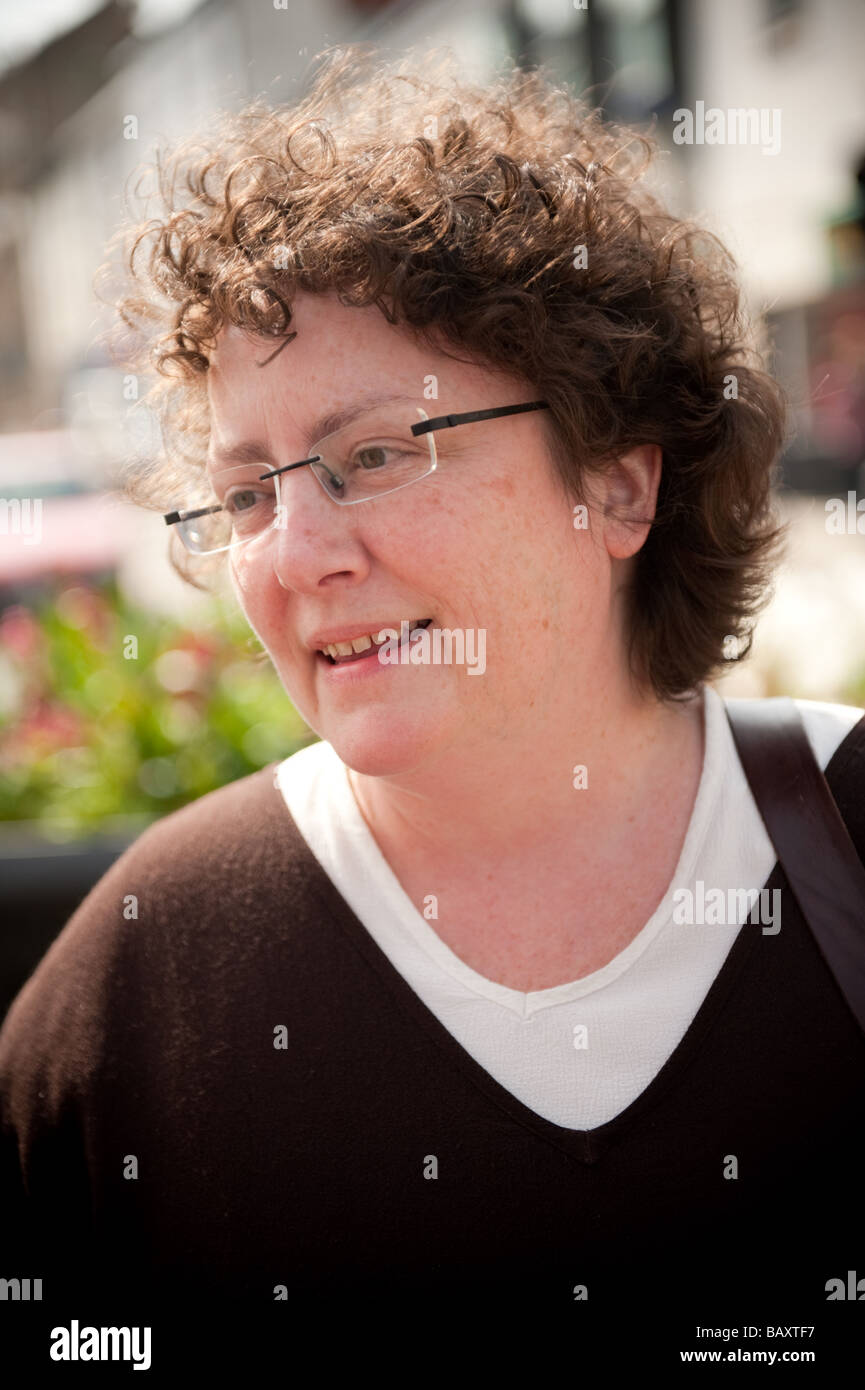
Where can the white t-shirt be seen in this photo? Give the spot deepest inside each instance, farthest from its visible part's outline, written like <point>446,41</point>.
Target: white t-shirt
<point>577,1053</point>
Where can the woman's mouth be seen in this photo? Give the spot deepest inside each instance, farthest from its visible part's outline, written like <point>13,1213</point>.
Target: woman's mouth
<point>370,645</point>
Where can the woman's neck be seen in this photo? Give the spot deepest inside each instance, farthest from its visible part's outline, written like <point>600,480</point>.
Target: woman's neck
<point>519,793</point>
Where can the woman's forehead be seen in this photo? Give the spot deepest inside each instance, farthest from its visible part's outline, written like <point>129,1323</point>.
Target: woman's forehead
<point>325,327</point>
<point>344,345</point>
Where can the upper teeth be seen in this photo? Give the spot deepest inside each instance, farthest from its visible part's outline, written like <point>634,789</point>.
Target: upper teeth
<point>361,644</point>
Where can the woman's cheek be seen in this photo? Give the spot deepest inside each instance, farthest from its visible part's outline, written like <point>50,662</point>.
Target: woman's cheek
<point>253,604</point>
<point>251,593</point>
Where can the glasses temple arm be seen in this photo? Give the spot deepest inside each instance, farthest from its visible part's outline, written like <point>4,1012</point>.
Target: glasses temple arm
<point>172,518</point>
<point>444,422</point>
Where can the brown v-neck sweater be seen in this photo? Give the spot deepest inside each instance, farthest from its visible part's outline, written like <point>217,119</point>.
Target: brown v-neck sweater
<point>217,1087</point>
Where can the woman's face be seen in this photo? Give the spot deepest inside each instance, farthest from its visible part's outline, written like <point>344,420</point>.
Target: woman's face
<point>487,542</point>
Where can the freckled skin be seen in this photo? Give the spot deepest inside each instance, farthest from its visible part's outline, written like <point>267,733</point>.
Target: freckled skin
<point>477,544</point>
<point>466,781</point>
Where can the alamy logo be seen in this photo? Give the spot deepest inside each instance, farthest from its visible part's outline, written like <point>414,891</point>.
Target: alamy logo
<point>739,125</point>
<point>713,907</point>
<point>855,1289</point>
<point>21,1290</point>
<point>439,646</point>
<point>101,1344</point>
<point>21,517</point>
<point>846,520</point>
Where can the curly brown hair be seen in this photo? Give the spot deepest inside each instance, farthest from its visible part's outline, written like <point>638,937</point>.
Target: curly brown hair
<point>460,210</point>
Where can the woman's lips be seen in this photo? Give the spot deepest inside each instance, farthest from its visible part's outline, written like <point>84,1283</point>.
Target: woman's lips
<point>363,656</point>
<point>349,660</point>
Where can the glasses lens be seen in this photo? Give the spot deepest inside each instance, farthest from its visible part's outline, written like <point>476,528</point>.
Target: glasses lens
<point>374,455</point>
<point>204,533</point>
<point>240,509</point>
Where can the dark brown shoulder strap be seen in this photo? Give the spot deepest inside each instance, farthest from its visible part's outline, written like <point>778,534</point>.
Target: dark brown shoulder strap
<point>810,838</point>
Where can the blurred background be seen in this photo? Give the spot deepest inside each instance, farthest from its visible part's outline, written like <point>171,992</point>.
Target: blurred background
<point>98,736</point>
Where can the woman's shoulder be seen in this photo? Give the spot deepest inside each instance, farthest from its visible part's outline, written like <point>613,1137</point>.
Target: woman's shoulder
<point>828,725</point>
<point>238,813</point>
<point>836,734</point>
<point>210,878</point>
<point>214,837</point>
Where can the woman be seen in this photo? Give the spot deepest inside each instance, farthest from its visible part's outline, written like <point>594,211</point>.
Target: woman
<point>416,1018</point>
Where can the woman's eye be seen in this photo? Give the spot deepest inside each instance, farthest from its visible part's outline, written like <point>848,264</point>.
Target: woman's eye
<point>372,456</point>
<point>241,500</point>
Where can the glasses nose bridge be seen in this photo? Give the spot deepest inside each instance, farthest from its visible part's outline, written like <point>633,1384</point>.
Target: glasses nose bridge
<point>300,520</point>
<point>284,491</point>
<point>326,455</point>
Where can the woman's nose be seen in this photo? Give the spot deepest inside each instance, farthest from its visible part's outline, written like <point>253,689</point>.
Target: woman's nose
<point>312,536</point>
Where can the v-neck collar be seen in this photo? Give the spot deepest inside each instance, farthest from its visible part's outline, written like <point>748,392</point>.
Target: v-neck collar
<point>583,1145</point>
<point>527,1004</point>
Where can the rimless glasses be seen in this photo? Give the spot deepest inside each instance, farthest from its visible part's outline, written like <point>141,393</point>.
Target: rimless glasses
<point>379,452</point>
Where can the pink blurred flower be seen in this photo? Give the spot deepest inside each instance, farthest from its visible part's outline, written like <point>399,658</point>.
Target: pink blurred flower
<point>203,648</point>
<point>86,609</point>
<point>20,633</point>
<point>48,727</point>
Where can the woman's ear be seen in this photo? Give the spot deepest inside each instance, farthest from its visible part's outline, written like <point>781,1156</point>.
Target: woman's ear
<point>625,497</point>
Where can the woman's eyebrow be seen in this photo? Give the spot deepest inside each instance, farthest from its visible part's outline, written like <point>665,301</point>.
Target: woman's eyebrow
<point>252,451</point>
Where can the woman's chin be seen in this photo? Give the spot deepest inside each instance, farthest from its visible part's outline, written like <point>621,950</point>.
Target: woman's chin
<point>381,747</point>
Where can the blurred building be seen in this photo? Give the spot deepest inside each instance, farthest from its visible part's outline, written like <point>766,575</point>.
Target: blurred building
<point>80,115</point>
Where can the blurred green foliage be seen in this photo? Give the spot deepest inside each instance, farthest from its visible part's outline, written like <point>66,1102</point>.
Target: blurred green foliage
<point>111,713</point>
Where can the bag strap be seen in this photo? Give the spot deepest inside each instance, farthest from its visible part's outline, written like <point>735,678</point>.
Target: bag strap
<point>810,838</point>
